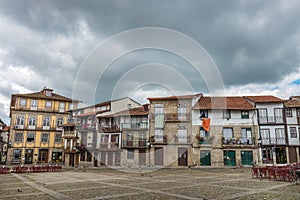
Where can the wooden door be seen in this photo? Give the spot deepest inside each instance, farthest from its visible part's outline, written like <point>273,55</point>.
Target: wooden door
<point>292,154</point>
<point>117,159</point>
<point>110,160</point>
<point>95,159</point>
<point>246,157</point>
<point>158,156</point>
<point>71,160</point>
<point>43,155</point>
<point>142,157</point>
<point>103,158</point>
<point>182,157</point>
<point>205,159</point>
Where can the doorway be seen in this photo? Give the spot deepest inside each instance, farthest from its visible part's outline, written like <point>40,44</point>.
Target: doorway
<point>142,157</point>
<point>158,156</point>
<point>43,155</point>
<point>229,158</point>
<point>28,156</point>
<point>246,157</point>
<point>182,157</point>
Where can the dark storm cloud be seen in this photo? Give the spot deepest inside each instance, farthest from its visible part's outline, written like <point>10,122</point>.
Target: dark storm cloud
<point>250,41</point>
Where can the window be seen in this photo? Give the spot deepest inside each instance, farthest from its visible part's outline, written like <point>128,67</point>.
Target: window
<point>226,114</point>
<point>57,138</point>
<point>159,115</point>
<point>32,121</point>
<point>265,136</point>
<point>288,112</point>
<point>298,112</point>
<point>293,132</point>
<point>130,153</point>
<point>61,107</point>
<point>142,136</point>
<point>227,133</point>
<point>203,133</point>
<point>48,104</point>
<point>280,139</point>
<point>158,135</point>
<point>23,102</point>
<point>59,121</point>
<point>182,111</point>
<point>278,115</point>
<point>46,121</point>
<point>182,133</point>
<point>203,114</point>
<point>245,114</point>
<point>246,136</point>
<point>33,104</point>
<point>18,137</point>
<point>71,106</point>
<point>129,137</point>
<point>30,137</point>
<point>20,120</point>
<point>44,137</point>
<point>262,115</point>
<point>48,93</point>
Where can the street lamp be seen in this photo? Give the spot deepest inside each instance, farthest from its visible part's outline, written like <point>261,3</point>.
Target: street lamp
<point>149,145</point>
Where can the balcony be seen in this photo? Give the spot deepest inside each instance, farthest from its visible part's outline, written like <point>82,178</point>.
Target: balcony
<point>109,146</point>
<point>159,139</point>
<point>273,141</point>
<point>175,117</point>
<point>182,140</point>
<point>143,125</point>
<point>83,127</point>
<point>69,134</point>
<point>134,144</point>
<point>109,129</point>
<point>239,142</point>
<point>270,120</point>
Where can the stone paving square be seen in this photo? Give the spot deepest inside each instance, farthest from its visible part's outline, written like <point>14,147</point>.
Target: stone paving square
<point>145,184</point>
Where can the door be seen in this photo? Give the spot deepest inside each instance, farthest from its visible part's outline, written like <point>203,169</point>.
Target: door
<point>229,158</point>
<point>142,157</point>
<point>292,154</point>
<point>43,155</point>
<point>158,156</point>
<point>28,156</point>
<point>117,159</point>
<point>182,157</point>
<point>71,160</point>
<point>95,159</point>
<point>110,160</point>
<point>77,159</point>
<point>246,157</point>
<point>205,159</point>
<point>103,158</point>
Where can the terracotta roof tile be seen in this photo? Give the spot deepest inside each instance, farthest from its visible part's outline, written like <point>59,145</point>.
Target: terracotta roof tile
<point>264,99</point>
<point>230,103</point>
<point>143,110</point>
<point>292,103</point>
<point>174,97</point>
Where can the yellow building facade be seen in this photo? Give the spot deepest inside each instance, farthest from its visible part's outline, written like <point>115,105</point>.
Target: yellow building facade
<point>36,132</point>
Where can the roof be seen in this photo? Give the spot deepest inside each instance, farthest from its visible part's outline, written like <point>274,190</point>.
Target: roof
<point>264,99</point>
<point>68,124</point>
<point>174,97</point>
<point>143,110</point>
<point>292,103</point>
<point>6,128</point>
<point>41,95</point>
<point>230,103</point>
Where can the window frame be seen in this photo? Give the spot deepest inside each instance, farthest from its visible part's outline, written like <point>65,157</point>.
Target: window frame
<point>56,138</point>
<point>232,133</point>
<point>43,138</point>
<point>23,102</point>
<point>20,137</point>
<point>288,112</point>
<point>295,133</point>
<point>30,134</point>
<point>48,104</point>
<point>243,115</point>
<point>32,122</point>
<point>44,120</point>
<point>227,114</point>
<point>130,153</point>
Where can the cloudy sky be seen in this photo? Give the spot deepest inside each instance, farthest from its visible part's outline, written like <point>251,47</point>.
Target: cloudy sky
<point>254,45</point>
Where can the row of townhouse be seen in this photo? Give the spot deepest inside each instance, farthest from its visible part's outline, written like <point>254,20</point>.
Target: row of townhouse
<point>188,130</point>
<point>4,133</point>
<point>169,131</point>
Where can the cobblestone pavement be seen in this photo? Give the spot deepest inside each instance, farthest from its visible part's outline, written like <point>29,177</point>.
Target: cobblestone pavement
<point>160,184</point>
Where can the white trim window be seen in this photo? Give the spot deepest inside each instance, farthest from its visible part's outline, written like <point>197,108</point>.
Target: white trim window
<point>33,104</point>
<point>45,137</point>
<point>48,104</point>
<point>62,107</point>
<point>23,102</point>
<point>32,122</point>
<point>46,123</point>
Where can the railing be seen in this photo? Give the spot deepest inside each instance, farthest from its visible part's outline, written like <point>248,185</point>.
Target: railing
<point>143,125</point>
<point>134,143</point>
<point>109,129</point>
<point>69,133</point>
<point>112,146</point>
<point>239,141</point>
<point>176,117</point>
<point>270,120</point>
<point>273,140</point>
<point>186,139</point>
<point>86,126</point>
<point>159,139</point>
